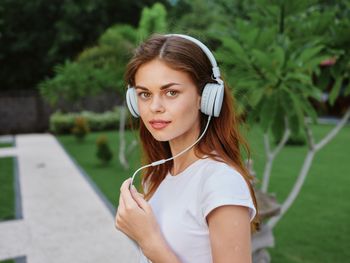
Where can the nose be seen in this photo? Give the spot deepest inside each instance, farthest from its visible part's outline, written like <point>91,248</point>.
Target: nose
<point>156,105</point>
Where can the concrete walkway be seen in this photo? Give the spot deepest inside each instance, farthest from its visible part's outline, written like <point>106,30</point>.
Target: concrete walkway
<point>63,218</point>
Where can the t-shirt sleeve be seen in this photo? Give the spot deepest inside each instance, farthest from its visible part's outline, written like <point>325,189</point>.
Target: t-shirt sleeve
<point>225,187</point>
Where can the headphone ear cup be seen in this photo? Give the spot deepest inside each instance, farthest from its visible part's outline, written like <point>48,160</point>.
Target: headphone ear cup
<point>131,101</point>
<point>204,100</point>
<point>218,99</point>
<point>212,97</point>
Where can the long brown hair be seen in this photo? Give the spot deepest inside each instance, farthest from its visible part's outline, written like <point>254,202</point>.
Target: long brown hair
<point>223,134</point>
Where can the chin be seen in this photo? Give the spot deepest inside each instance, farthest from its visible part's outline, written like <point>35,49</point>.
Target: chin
<point>164,135</point>
<point>160,137</point>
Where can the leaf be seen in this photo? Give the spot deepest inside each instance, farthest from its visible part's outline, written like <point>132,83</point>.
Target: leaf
<point>294,124</point>
<point>347,90</point>
<point>278,124</point>
<point>268,112</point>
<point>298,110</point>
<point>262,59</point>
<point>250,36</point>
<point>253,114</point>
<point>235,47</point>
<point>226,57</point>
<point>254,96</point>
<point>314,62</point>
<point>335,90</point>
<point>293,109</point>
<point>279,56</point>
<point>308,53</point>
<point>310,111</point>
<point>301,77</point>
<point>323,79</point>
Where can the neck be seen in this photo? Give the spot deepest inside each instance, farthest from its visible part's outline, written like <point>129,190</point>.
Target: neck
<point>182,162</point>
<point>177,145</point>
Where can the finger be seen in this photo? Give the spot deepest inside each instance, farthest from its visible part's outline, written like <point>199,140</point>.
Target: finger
<point>121,199</point>
<point>125,184</point>
<point>121,203</point>
<point>139,198</point>
<point>129,201</point>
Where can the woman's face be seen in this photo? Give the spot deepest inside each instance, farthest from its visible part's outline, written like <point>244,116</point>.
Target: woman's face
<point>168,101</point>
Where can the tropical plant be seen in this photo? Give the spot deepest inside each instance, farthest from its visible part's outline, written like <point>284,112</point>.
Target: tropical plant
<point>271,57</point>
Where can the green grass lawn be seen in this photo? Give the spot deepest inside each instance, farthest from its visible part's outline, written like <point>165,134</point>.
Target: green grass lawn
<point>316,228</point>
<point>7,193</point>
<point>4,145</point>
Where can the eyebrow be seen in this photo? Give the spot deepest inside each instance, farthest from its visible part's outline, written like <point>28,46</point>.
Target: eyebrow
<point>161,88</point>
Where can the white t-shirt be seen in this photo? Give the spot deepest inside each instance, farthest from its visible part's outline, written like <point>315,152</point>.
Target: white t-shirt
<point>182,202</point>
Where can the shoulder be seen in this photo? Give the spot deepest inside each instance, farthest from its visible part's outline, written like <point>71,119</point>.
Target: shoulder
<point>219,174</point>
<point>223,185</point>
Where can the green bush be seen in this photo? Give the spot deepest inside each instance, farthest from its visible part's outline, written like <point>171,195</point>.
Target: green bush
<point>103,152</point>
<point>80,128</point>
<point>62,123</point>
<point>298,139</point>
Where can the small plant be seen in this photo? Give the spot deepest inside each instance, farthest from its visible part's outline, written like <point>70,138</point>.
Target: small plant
<point>103,153</point>
<point>80,128</point>
<point>297,139</point>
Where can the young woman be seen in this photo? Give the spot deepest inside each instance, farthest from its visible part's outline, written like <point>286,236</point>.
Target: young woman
<point>200,206</point>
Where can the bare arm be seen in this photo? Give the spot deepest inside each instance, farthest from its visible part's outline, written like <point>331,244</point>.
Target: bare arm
<point>229,230</point>
<point>159,252</point>
<point>135,218</point>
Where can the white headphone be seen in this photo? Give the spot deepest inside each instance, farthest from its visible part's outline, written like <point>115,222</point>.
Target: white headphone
<point>212,95</point>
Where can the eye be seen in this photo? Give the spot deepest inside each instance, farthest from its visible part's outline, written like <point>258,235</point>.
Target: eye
<point>144,95</point>
<point>172,93</point>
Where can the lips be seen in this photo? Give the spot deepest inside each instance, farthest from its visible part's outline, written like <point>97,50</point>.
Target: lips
<point>159,124</point>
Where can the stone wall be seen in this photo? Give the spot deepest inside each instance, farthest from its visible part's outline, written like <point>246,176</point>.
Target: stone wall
<point>27,112</point>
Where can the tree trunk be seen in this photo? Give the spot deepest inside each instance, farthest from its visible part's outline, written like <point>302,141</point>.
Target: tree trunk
<point>122,142</point>
<point>271,155</point>
<point>313,149</point>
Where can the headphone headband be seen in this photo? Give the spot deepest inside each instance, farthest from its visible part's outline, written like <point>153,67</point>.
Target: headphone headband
<point>206,50</point>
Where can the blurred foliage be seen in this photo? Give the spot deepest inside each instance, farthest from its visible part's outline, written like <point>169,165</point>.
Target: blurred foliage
<point>38,34</point>
<point>271,55</point>
<point>153,20</point>
<point>102,67</point>
<point>74,80</point>
<point>271,51</point>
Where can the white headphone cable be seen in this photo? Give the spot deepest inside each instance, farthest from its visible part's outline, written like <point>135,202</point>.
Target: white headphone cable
<point>165,160</point>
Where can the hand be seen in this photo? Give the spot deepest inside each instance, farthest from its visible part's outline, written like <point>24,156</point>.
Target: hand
<point>135,217</point>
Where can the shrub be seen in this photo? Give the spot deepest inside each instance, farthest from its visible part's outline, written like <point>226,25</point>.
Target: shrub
<point>294,139</point>
<point>103,152</point>
<point>297,139</point>
<point>81,128</point>
<point>62,123</point>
